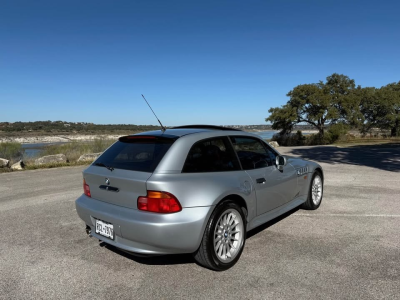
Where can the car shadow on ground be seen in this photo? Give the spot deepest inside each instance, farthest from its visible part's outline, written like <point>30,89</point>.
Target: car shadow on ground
<point>384,156</point>
<point>172,259</point>
<point>264,226</point>
<point>177,259</point>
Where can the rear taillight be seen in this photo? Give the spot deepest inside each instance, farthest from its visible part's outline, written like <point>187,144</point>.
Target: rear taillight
<point>86,189</point>
<point>159,202</point>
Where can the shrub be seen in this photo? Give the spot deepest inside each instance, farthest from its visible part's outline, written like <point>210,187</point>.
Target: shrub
<point>337,131</point>
<point>290,139</point>
<point>298,139</point>
<point>315,139</point>
<point>11,151</point>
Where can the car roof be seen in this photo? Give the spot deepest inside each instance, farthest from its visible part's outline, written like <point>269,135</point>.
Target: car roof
<point>187,129</point>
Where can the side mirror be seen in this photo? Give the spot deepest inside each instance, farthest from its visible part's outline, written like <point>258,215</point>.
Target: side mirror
<point>280,162</point>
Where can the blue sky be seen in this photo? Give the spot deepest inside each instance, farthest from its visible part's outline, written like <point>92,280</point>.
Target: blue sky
<point>197,62</point>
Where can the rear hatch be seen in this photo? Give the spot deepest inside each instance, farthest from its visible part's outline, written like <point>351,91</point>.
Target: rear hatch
<point>119,175</point>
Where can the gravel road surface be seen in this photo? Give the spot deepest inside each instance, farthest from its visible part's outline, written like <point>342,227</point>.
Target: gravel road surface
<point>347,249</point>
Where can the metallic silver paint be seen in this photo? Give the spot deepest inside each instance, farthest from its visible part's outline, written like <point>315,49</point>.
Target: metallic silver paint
<point>145,232</point>
<point>198,193</point>
<point>131,185</point>
<point>279,188</point>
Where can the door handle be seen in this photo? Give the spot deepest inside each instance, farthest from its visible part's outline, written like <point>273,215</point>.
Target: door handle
<point>260,180</point>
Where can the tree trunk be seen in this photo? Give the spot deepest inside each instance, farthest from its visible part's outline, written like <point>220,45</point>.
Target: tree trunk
<point>321,128</point>
<point>321,132</point>
<point>395,129</point>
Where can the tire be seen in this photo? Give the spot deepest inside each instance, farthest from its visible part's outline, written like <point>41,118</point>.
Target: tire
<point>229,241</point>
<point>315,193</point>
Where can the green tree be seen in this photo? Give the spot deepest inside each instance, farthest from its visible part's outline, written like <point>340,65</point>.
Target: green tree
<point>381,108</point>
<point>318,104</point>
<point>369,108</point>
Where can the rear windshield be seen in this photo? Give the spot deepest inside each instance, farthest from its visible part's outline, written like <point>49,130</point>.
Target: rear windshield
<point>135,154</point>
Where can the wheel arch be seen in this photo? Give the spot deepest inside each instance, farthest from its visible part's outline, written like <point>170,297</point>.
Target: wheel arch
<point>238,200</point>
<point>319,169</point>
<point>203,255</point>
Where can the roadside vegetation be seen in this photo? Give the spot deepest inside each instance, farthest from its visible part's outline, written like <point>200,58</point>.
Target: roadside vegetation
<point>344,139</point>
<point>72,150</point>
<point>11,151</point>
<point>333,108</point>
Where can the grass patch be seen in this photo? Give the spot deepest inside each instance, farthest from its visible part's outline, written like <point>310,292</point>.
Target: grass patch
<point>48,166</point>
<point>75,149</point>
<point>359,141</point>
<point>11,151</point>
<point>72,150</point>
<point>5,170</point>
<point>57,165</point>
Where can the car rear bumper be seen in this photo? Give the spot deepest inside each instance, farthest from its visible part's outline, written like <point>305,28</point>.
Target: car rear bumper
<point>144,232</point>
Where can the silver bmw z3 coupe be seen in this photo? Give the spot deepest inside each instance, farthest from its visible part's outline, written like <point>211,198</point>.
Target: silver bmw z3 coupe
<point>192,189</point>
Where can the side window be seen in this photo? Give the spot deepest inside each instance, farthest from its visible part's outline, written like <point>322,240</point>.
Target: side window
<point>272,154</point>
<point>252,153</point>
<point>211,155</point>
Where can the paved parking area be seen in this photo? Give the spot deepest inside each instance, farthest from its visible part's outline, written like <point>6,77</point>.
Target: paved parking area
<point>348,249</point>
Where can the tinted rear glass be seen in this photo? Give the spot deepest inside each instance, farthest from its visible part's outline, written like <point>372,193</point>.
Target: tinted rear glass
<point>136,154</point>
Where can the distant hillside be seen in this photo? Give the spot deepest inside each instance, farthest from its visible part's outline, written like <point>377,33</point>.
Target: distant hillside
<point>71,127</point>
<point>83,127</point>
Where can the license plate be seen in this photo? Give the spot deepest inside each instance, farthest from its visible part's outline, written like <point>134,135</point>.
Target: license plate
<point>105,229</point>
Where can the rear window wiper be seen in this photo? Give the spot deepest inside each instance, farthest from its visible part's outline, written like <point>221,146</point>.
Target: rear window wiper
<point>100,164</point>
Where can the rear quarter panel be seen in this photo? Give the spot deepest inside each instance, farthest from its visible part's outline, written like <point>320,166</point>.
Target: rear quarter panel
<point>206,189</point>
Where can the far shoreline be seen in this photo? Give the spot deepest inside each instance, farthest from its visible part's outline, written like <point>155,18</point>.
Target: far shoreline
<point>58,138</point>
<point>41,138</point>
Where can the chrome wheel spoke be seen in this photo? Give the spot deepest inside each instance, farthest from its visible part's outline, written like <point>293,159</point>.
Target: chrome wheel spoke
<point>232,227</point>
<point>228,219</point>
<point>316,190</point>
<point>220,250</point>
<point>218,245</point>
<point>228,235</point>
<point>231,245</point>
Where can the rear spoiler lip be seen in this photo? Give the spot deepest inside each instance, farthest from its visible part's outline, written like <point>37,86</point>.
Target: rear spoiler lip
<point>133,138</point>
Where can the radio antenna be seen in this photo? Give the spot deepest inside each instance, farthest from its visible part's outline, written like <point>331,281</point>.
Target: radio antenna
<point>162,127</point>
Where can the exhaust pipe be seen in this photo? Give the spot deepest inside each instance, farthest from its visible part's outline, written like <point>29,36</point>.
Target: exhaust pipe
<point>88,231</point>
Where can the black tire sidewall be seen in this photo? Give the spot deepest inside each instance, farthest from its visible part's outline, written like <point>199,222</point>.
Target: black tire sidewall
<point>219,210</point>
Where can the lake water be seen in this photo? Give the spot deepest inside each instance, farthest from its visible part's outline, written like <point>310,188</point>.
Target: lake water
<point>266,135</point>
<point>32,150</point>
